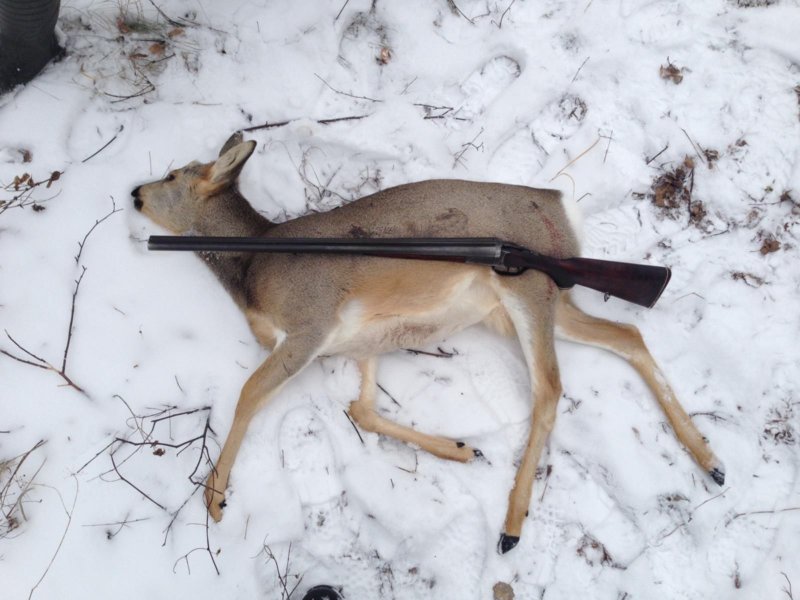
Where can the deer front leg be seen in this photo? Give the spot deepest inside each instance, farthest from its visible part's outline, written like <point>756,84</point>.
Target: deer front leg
<point>363,412</point>
<point>263,385</point>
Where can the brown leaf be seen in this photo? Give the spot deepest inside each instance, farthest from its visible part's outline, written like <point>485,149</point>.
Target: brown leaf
<point>178,31</point>
<point>385,56</point>
<point>671,72</point>
<point>157,48</point>
<point>770,245</point>
<point>27,156</point>
<point>159,452</point>
<point>122,27</point>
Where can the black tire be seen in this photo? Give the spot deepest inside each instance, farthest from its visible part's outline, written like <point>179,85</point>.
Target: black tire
<point>322,592</point>
<point>27,39</point>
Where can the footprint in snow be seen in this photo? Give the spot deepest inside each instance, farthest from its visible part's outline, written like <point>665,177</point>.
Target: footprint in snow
<point>309,459</point>
<point>483,86</point>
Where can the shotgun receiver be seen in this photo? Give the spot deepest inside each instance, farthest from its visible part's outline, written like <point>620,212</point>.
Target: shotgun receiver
<point>640,284</point>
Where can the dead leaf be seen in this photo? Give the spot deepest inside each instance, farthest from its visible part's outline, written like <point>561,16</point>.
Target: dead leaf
<point>770,245</point>
<point>671,72</point>
<point>385,56</point>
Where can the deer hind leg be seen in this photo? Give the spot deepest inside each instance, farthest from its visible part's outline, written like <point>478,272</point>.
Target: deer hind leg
<point>533,322</point>
<point>625,341</point>
<point>363,412</point>
<point>263,385</point>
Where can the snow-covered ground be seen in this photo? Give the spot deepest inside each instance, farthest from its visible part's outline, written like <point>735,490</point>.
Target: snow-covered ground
<point>680,123</point>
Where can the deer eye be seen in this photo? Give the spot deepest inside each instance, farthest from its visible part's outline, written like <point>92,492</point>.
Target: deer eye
<point>170,177</point>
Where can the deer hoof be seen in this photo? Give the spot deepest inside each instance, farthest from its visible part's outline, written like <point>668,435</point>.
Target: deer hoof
<point>215,502</point>
<point>718,475</point>
<point>507,542</point>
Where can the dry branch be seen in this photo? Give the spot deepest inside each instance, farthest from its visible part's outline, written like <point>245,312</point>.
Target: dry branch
<point>69,512</point>
<point>40,362</point>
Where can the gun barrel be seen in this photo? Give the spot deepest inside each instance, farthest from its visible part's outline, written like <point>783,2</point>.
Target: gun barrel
<point>485,251</point>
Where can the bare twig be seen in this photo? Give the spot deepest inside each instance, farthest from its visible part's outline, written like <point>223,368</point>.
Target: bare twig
<point>697,147</point>
<point>63,536</point>
<point>788,591</point>
<point>275,124</point>
<point>576,159</point>
<point>454,7</point>
<point>764,512</point>
<point>348,94</point>
<point>283,576</point>
<point>122,478</point>
<point>341,10</point>
<point>104,146</point>
<point>579,69</point>
<point>358,433</point>
<point>505,12</point>
<point>168,19</point>
<point>42,363</point>
<point>458,157</point>
<point>610,137</point>
<point>392,398</point>
<point>655,156</point>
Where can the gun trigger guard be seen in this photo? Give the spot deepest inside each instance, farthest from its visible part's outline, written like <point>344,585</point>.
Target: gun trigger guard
<point>509,271</point>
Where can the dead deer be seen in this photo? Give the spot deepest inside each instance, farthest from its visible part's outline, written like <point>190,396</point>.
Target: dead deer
<point>301,307</point>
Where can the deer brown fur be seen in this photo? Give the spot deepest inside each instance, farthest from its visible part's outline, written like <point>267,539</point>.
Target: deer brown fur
<point>304,306</point>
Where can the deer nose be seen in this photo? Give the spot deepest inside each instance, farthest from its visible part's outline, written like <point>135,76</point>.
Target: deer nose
<point>137,202</point>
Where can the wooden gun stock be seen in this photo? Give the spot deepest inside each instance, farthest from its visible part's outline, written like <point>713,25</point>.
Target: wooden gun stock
<point>640,284</point>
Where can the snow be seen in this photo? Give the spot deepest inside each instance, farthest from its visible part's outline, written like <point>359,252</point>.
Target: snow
<point>620,510</point>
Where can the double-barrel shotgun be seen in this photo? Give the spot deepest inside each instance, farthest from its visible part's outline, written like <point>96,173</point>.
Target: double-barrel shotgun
<point>640,284</point>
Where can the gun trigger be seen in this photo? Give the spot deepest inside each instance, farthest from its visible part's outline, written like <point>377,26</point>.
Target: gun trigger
<point>508,271</point>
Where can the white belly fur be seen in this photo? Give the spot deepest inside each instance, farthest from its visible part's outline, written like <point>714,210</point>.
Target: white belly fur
<point>360,334</point>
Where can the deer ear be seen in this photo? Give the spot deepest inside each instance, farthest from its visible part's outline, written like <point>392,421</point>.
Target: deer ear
<point>236,139</point>
<point>228,166</point>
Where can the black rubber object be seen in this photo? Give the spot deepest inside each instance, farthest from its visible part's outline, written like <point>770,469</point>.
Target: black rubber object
<point>27,39</point>
<point>322,592</point>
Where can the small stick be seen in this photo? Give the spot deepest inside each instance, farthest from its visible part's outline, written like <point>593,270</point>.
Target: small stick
<point>610,137</point>
<point>392,398</point>
<point>696,147</point>
<point>649,160</point>
<point>576,159</point>
<point>505,12</point>
<point>579,69</point>
<point>346,93</point>
<point>455,9</point>
<point>63,536</point>
<point>358,433</point>
<point>106,145</point>
<point>116,470</point>
<point>341,10</point>
<point>320,121</point>
<point>764,512</point>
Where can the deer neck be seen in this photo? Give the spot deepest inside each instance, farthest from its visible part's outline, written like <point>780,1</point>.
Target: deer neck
<point>230,215</point>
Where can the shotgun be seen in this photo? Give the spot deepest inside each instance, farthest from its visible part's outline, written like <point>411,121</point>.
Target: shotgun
<point>640,284</point>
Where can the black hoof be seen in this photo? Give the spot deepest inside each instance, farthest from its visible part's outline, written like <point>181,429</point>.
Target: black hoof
<point>718,476</point>
<point>322,592</point>
<point>507,542</point>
